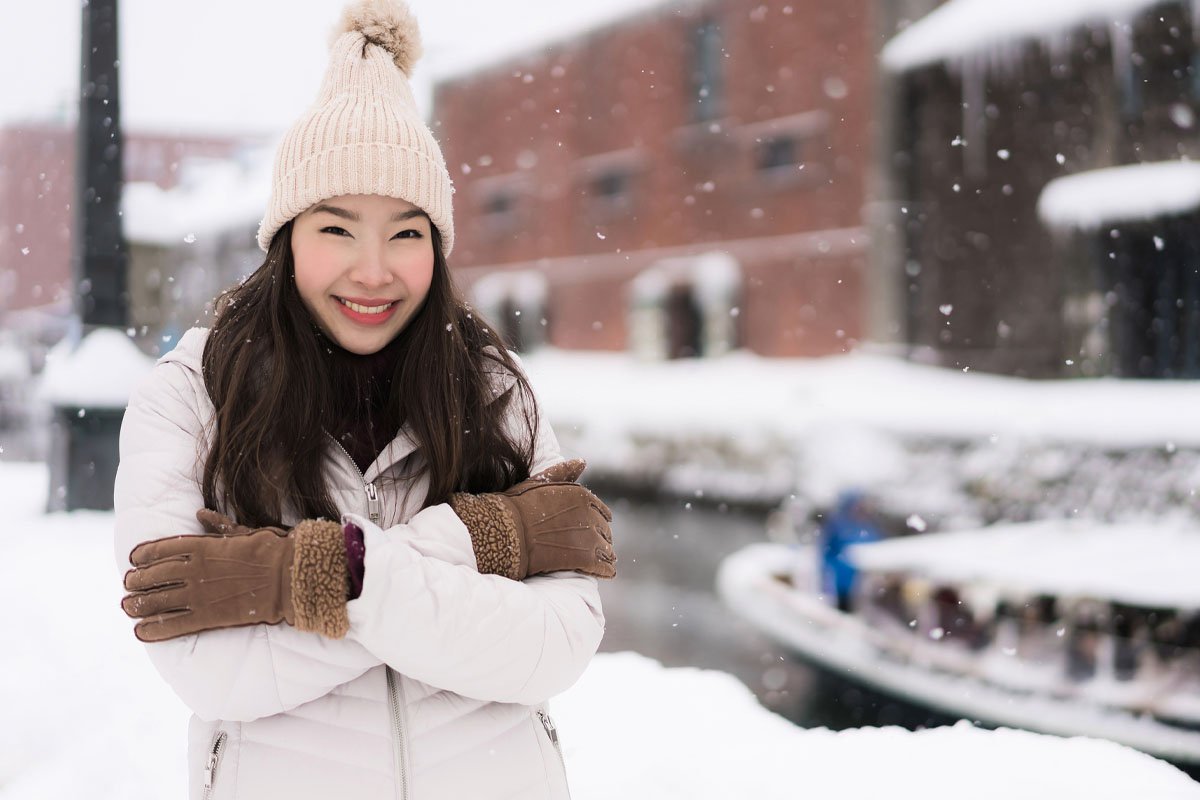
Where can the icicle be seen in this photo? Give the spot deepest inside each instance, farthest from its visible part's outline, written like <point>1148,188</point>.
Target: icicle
<point>974,120</point>
<point>1122,54</point>
<point>1058,45</point>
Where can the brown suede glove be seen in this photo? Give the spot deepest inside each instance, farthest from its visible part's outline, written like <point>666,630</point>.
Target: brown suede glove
<point>234,576</point>
<point>544,524</point>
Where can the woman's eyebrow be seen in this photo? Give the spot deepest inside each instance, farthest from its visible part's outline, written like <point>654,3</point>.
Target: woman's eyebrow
<point>399,216</point>
<point>337,212</point>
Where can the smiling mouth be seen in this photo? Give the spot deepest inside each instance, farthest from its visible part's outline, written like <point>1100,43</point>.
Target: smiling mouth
<point>361,309</point>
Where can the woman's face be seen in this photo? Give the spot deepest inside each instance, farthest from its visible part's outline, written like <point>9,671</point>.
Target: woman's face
<point>363,267</point>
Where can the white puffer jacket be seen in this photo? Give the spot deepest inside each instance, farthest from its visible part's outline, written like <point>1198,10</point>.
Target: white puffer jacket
<point>438,691</point>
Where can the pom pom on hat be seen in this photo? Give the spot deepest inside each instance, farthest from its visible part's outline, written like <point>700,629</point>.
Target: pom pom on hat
<point>387,23</point>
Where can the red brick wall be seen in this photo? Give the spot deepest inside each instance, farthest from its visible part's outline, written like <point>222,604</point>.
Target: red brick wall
<point>532,124</point>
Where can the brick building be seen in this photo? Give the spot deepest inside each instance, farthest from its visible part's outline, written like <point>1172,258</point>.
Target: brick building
<point>37,190</point>
<point>689,179</point>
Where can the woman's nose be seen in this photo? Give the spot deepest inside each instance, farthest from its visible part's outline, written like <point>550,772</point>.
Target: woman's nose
<point>371,270</point>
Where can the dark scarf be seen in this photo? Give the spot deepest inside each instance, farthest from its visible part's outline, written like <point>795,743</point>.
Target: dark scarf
<point>367,431</point>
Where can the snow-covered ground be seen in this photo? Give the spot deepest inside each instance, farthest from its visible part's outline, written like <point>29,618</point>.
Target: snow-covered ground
<point>85,715</point>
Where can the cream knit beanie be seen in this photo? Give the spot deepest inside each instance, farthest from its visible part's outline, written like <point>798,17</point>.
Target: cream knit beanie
<point>363,134</point>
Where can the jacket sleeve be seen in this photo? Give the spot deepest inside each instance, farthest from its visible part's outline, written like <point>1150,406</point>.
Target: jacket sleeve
<point>427,612</point>
<point>480,636</point>
<point>236,674</point>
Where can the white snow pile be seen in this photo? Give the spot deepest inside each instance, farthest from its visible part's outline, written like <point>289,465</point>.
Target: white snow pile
<point>965,27</point>
<point>87,716</point>
<point>1131,193</point>
<point>100,373</point>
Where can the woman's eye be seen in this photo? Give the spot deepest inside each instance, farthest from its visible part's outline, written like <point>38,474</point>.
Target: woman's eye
<point>409,234</point>
<point>335,230</point>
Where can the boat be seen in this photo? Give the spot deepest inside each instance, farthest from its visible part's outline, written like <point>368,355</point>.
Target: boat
<point>1067,627</point>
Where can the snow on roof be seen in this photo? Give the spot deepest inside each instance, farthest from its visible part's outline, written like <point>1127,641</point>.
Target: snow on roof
<point>214,195</point>
<point>100,373</point>
<point>1149,564</point>
<point>963,27</point>
<point>476,42</point>
<point>1099,197</point>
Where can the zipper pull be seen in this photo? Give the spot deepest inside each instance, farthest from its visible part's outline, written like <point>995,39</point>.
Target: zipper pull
<point>548,724</point>
<point>374,506</point>
<point>209,769</point>
<point>214,753</point>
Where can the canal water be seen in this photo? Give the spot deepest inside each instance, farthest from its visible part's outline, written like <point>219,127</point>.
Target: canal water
<point>664,605</point>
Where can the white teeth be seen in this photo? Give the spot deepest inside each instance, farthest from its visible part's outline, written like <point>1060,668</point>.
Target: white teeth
<point>365,309</point>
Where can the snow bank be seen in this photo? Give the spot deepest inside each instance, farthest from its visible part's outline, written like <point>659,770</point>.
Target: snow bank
<point>87,716</point>
<point>1099,197</point>
<point>1151,564</point>
<point>609,399</point>
<point>964,27</point>
<point>100,373</point>
<point>689,733</point>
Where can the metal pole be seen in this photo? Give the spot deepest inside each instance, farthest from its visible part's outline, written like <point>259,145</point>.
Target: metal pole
<point>84,460</point>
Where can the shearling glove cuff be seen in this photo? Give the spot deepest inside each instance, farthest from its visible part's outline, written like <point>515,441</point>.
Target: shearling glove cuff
<point>493,533</point>
<point>547,523</point>
<point>320,578</point>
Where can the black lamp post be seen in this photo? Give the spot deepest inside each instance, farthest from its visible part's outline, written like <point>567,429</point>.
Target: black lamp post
<point>83,459</point>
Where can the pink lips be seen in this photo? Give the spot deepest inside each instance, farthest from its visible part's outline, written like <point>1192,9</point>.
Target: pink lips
<point>367,319</point>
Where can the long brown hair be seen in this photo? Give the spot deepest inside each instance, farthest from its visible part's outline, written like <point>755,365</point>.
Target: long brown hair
<point>278,384</point>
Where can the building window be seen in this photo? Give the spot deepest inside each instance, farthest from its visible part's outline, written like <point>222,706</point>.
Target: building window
<point>779,151</point>
<point>499,203</point>
<point>707,54</point>
<point>611,185</point>
<point>612,189</point>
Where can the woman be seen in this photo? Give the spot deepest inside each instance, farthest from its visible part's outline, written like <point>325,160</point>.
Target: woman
<point>409,648</point>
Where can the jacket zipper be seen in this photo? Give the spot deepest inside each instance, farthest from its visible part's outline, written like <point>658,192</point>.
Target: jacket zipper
<point>399,751</point>
<point>374,504</point>
<point>552,732</point>
<point>214,758</point>
<point>375,513</point>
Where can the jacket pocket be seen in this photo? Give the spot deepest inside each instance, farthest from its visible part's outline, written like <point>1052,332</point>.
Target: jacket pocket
<point>559,765</point>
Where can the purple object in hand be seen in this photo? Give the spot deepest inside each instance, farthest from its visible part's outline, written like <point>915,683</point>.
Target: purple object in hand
<point>356,555</point>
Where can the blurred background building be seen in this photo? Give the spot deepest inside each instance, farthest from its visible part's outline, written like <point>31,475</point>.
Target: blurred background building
<point>609,167</point>
<point>1009,267</point>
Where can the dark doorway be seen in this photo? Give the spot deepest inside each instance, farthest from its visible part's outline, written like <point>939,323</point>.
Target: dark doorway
<point>683,322</point>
